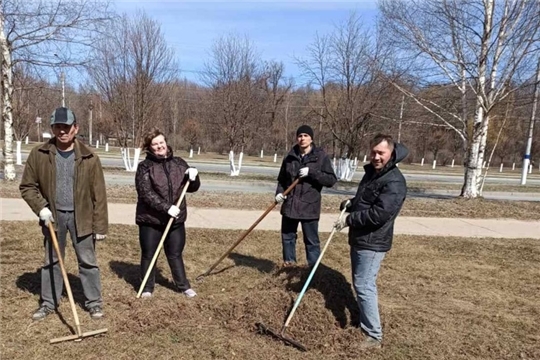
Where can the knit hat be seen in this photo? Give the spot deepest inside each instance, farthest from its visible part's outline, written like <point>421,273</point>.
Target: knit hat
<point>63,115</point>
<point>305,129</point>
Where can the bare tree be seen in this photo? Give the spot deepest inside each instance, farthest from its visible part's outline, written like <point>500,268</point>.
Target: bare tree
<point>234,75</point>
<point>133,68</point>
<point>31,31</point>
<point>480,47</point>
<point>347,67</point>
<point>276,90</point>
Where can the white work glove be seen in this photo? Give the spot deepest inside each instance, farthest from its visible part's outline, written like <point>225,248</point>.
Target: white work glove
<point>174,211</point>
<point>99,237</point>
<point>46,216</point>
<point>280,198</point>
<point>192,173</point>
<point>345,204</point>
<point>303,172</point>
<point>341,223</point>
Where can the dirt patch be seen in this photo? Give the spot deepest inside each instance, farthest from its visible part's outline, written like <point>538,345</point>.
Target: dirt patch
<point>440,298</point>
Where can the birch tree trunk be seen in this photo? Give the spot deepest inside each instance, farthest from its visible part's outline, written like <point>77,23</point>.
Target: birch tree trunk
<point>473,171</point>
<point>7,116</point>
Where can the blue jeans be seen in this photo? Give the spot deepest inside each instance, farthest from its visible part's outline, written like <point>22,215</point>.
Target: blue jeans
<point>365,267</point>
<point>310,229</point>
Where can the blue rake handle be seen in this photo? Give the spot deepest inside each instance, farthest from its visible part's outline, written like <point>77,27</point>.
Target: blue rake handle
<point>301,295</point>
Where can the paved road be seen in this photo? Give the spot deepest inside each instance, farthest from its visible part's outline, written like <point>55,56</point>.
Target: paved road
<point>17,210</point>
<point>273,171</point>
<point>494,178</point>
<point>345,190</point>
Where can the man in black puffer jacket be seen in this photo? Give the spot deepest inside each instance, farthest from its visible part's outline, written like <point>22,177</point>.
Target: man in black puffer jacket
<point>303,204</point>
<point>373,210</point>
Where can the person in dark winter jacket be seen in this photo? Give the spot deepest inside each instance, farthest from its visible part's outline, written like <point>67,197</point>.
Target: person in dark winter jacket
<point>159,181</point>
<point>303,203</point>
<point>372,213</point>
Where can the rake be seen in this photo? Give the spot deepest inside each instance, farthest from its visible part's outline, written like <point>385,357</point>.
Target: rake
<point>263,329</point>
<point>246,233</point>
<point>79,335</point>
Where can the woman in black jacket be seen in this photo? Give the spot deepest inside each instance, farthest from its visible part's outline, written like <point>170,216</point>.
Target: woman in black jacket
<point>159,181</point>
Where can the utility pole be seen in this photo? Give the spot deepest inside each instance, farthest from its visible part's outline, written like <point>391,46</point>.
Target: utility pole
<point>90,108</point>
<point>527,156</point>
<point>287,126</point>
<point>400,119</point>
<point>63,79</point>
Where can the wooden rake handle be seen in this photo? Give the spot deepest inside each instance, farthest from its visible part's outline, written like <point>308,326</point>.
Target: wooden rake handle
<point>163,237</point>
<point>54,241</point>
<point>246,233</point>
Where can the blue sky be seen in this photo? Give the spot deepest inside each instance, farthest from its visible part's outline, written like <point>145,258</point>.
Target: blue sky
<point>280,30</point>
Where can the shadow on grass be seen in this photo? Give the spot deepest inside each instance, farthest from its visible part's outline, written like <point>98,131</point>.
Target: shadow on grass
<point>262,265</point>
<point>334,287</point>
<point>130,273</point>
<point>31,282</point>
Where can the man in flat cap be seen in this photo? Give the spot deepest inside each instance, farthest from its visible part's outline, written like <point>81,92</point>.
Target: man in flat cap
<point>63,184</point>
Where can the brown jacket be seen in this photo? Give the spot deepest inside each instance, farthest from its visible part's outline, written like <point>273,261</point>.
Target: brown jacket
<point>38,186</point>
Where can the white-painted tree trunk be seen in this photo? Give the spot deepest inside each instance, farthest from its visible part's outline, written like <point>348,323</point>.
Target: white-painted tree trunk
<point>106,147</point>
<point>240,160</point>
<point>234,170</point>
<point>530,169</point>
<point>453,162</point>
<point>97,144</point>
<point>275,157</point>
<point>434,164</point>
<point>199,151</point>
<point>26,140</point>
<point>513,166</point>
<point>191,153</point>
<point>345,169</point>
<point>262,153</point>
<point>6,79</point>
<point>501,168</point>
<point>130,164</point>
<point>422,162</point>
<point>19,153</point>
<point>365,158</point>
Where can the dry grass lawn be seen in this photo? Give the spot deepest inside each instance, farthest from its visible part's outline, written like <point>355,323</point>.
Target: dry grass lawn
<point>440,298</point>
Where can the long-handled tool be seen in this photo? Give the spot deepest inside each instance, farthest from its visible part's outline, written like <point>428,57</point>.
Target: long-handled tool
<point>281,334</point>
<point>246,233</point>
<point>163,237</point>
<point>79,335</point>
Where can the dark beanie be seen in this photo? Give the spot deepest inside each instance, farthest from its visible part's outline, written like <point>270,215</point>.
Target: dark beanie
<point>305,129</point>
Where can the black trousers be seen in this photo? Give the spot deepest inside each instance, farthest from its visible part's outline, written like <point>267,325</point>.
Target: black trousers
<point>149,237</point>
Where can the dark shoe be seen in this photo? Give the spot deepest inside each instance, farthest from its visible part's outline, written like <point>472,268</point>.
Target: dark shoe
<point>96,312</point>
<point>370,343</point>
<point>42,313</point>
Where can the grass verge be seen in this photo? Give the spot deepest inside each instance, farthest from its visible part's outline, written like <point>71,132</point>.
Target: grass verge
<point>418,207</point>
